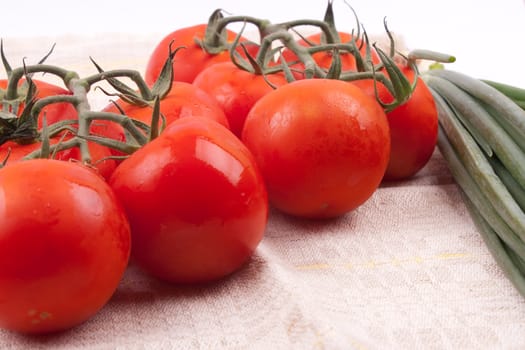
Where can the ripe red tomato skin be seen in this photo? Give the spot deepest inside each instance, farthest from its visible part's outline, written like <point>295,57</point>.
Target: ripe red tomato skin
<point>322,146</point>
<point>413,128</point>
<point>191,59</point>
<point>183,100</point>
<point>64,245</point>
<point>236,90</point>
<point>196,202</point>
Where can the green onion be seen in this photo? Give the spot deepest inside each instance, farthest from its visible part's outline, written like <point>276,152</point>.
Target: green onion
<point>483,127</point>
<point>483,219</point>
<point>481,137</point>
<point>513,92</point>
<point>504,107</point>
<point>517,192</point>
<point>504,257</point>
<point>479,168</point>
<point>448,146</point>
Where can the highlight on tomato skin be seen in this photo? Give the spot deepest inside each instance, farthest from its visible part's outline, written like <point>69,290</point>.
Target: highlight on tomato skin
<point>322,146</point>
<point>64,245</point>
<point>196,202</point>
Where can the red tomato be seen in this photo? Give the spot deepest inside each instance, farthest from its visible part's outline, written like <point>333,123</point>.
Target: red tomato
<point>236,90</point>
<point>54,112</point>
<point>322,146</point>
<point>190,60</point>
<point>183,100</point>
<point>196,202</point>
<point>413,127</point>
<point>64,245</point>
<point>324,58</point>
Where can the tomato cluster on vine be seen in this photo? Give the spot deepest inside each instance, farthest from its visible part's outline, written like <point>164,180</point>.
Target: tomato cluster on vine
<point>179,172</point>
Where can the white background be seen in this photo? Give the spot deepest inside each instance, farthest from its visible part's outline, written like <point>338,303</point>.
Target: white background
<point>487,37</point>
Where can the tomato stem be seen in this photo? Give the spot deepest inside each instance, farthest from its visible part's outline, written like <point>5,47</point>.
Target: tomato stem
<point>60,146</point>
<point>127,123</point>
<point>135,76</point>
<point>41,103</point>
<point>330,35</point>
<point>80,89</point>
<point>18,73</point>
<point>215,39</point>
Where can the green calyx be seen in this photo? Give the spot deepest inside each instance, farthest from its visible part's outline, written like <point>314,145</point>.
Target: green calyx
<point>142,95</point>
<point>215,38</point>
<point>22,129</point>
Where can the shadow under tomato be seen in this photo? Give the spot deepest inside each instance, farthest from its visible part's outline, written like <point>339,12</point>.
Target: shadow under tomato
<point>138,287</point>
